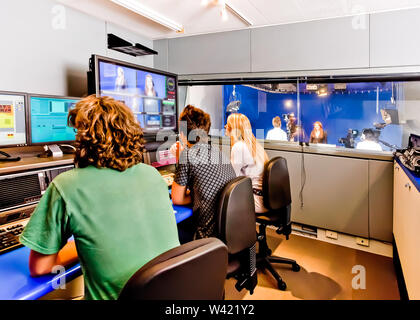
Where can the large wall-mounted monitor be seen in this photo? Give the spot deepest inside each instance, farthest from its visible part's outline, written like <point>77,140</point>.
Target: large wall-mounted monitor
<point>151,94</point>
<point>48,119</point>
<point>12,119</point>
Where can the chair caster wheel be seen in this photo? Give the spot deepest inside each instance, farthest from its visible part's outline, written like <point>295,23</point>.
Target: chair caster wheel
<point>296,267</point>
<point>282,285</point>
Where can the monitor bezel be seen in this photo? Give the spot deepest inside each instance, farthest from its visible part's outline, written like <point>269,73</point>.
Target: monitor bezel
<point>29,133</point>
<point>25,96</point>
<point>94,67</point>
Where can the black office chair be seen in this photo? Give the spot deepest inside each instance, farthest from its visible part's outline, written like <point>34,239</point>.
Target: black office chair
<point>237,229</point>
<point>277,199</point>
<point>193,271</point>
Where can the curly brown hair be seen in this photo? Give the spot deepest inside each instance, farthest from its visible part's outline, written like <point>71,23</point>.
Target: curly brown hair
<point>196,119</point>
<point>108,135</point>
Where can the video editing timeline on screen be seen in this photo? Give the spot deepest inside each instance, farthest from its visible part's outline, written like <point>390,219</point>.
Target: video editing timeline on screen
<point>12,120</point>
<point>151,96</point>
<point>49,119</point>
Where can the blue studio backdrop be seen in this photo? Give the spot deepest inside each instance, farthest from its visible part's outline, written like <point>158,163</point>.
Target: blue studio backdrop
<point>354,108</point>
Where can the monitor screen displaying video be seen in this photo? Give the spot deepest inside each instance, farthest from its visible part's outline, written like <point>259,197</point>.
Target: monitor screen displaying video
<point>12,119</point>
<point>149,93</point>
<point>48,116</point>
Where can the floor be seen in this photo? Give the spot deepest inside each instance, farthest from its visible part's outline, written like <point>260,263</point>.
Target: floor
<point>326,273</point>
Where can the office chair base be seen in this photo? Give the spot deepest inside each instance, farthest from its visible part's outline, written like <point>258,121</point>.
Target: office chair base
<point>264,263</point>
<point>264,258</point>
<point>295,266</point>
<point>248,282</point>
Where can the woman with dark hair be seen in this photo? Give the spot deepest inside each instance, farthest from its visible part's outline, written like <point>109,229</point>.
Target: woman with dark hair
<point>202,172</point>
<point>116,208</point>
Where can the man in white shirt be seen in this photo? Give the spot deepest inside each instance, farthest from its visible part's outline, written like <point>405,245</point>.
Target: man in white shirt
<point>368,142</point>
<point>277,133</point>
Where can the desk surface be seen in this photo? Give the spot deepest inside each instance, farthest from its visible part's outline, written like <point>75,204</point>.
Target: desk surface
<point>17,284</point>
<point>30,161</point>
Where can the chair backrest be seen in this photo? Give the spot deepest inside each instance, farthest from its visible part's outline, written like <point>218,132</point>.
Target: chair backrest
<point>236,215</point>
<point>193,271</point>
<point>276,184</point>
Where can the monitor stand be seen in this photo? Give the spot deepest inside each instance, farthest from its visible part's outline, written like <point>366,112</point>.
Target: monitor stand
<point>51,150</point>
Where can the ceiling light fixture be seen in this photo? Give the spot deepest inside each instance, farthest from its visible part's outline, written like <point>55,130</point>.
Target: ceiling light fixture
<point>322,91</point>
<point>223,13</point>
<point>239,14</point>
<point>144,11</point>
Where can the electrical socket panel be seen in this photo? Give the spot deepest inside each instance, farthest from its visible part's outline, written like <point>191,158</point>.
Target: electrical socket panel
<point>362,242</point>
<point>331,234</point>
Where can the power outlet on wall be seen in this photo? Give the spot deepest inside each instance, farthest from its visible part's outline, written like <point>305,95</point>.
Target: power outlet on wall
<point>331,234</point>
<point>362,242</point>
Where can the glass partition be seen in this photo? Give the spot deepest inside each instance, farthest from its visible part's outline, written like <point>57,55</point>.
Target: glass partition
<point>268,106</point>
<point>375,116</point>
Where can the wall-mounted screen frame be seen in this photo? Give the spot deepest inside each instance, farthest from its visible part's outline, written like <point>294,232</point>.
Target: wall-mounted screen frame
<point>156,109</point>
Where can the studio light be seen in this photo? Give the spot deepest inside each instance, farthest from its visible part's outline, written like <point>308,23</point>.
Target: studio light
<point>140,9</point>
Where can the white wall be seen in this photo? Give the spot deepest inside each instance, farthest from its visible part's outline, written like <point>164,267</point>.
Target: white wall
<point>45,47</point>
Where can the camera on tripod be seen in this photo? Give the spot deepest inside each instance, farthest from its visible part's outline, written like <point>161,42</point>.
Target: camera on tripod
<point>348,141</point>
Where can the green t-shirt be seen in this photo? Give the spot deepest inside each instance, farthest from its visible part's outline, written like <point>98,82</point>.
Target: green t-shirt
<point>119,220</point>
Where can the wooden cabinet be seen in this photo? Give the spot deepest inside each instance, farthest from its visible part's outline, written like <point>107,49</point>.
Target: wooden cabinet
<point>406,229</point>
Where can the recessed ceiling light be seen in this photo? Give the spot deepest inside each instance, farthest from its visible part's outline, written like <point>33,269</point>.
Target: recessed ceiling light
<point>239,14</point>
<point>140,9</point>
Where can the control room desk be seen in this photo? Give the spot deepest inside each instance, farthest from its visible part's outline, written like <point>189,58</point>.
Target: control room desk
<point>17,284</point>
<point>406,229</point>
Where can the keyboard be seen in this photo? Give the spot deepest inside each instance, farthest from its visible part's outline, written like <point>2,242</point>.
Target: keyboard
<point>9,235</point>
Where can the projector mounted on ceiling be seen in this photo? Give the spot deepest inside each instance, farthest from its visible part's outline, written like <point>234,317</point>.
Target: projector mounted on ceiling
<point>121,45</point>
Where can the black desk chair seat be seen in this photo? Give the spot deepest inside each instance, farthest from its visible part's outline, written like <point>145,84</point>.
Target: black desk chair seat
<point>277,199</point>
<point>236,228</point>
<point>193,271</point>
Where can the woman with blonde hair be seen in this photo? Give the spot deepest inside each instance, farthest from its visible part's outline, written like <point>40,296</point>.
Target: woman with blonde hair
<point>248,157</point>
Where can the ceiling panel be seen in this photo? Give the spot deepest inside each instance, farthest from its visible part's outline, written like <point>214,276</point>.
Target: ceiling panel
<point>198,19</point>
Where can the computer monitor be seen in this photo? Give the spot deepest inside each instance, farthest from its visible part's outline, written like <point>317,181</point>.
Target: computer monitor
<point>48,119</point>
<point>12,119</point>
<point>151,94</point>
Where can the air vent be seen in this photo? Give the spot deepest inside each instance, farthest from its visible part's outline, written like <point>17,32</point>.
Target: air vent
<point>19,190</point>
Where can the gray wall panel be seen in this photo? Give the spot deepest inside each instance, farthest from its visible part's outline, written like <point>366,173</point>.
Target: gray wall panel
<point>160,61</point>
<point>380,200</point>
<point>210,53</point>
<point>336,194</point>
<point>394,39</point>
<point>324,44</point>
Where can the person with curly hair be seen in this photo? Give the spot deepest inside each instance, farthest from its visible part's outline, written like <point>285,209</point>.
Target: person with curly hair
<point>117,208</point>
